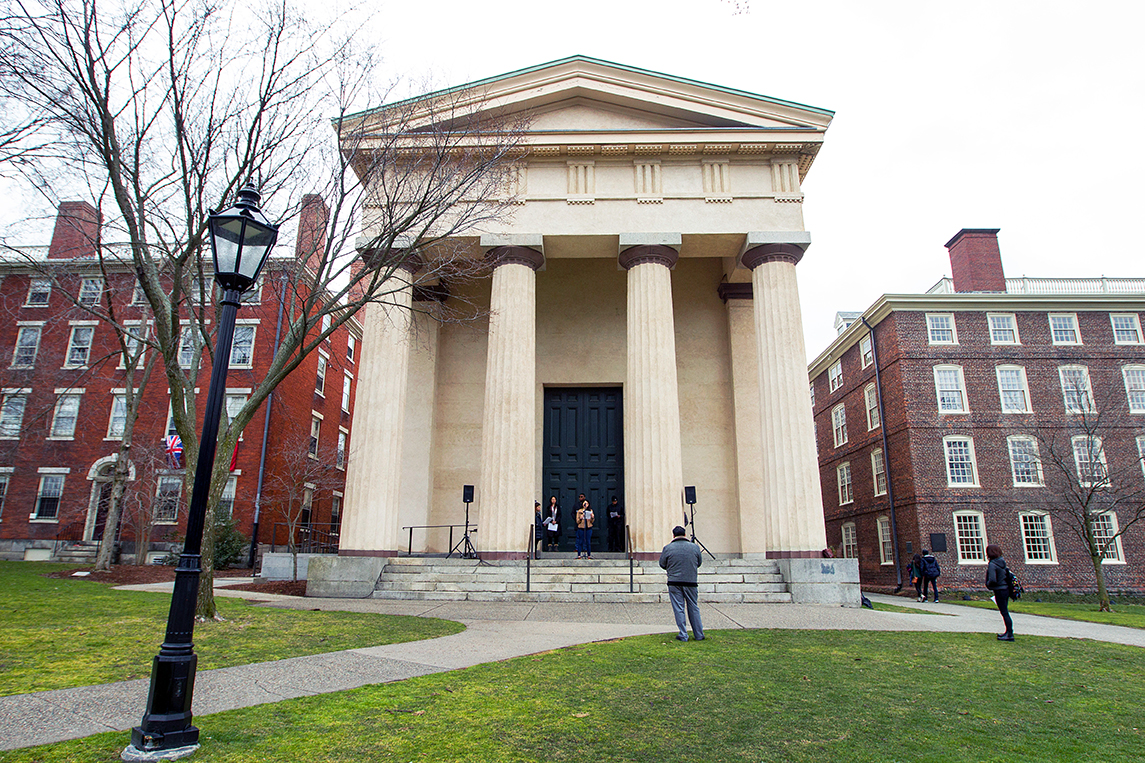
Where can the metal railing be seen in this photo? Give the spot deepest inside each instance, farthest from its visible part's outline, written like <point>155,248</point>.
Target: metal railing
<point>1026,285</point>
<point>628,553</point>
<point>411,528</point>
<point>308,539</point>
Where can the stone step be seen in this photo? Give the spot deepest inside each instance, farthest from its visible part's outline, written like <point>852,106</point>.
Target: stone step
<point>747,597</point>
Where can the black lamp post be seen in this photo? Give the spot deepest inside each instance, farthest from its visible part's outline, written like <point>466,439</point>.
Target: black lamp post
<point>241,240</point>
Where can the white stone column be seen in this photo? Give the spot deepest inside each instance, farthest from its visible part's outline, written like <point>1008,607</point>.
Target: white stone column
<point>792,496</point>
<point>653,472</point>
<point>373,472</point>
<point>753,522</point>
<point>508,482</point>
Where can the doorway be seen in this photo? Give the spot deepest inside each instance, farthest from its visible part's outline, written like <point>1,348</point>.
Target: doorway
<point>583,453</point>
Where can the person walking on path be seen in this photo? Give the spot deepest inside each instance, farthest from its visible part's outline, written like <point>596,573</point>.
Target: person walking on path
<point>998,581</point>
<point>930,573</point>
<point>680,559</point>
<point>584,518</point>
<point>914,574</point>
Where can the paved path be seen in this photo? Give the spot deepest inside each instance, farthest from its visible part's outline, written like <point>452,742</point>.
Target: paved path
<point>494,631</point>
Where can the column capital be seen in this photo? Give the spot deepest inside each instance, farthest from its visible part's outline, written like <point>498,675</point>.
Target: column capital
<point>643,253</point>
<point>515,255</point>
<point>399,255</point>
<point>770,246</point>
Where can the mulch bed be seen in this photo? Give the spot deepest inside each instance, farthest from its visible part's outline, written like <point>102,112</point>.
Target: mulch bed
<point>130,574</point>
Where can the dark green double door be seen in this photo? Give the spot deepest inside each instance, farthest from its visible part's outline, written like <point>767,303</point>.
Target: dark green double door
<point>584,453</point>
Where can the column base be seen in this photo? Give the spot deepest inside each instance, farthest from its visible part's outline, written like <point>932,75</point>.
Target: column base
<point>133,754</point>
<point>821,581</point>
<point>344,577</point>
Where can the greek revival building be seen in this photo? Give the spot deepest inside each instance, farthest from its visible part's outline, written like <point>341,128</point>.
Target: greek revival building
<point>643,334</point>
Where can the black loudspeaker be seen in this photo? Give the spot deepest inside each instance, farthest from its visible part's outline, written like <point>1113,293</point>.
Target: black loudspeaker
<point>690,495</point>
<point>467,494</point>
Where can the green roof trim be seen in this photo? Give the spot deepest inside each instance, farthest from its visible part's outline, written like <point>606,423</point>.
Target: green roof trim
<point>602,62</point>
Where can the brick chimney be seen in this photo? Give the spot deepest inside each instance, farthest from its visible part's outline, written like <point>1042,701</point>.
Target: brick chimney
<point>312,230</point>
<point>76,232</point>
<point>975,261</point>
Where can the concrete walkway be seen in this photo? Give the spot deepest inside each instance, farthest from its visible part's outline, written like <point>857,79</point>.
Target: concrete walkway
<point>494,631</point>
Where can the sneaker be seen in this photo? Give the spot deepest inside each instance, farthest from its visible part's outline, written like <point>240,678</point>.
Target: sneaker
<point>681,638</point>
<point>921,599</point>
<point>1005,637</point>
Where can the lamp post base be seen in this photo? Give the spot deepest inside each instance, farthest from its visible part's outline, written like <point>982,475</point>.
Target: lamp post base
<point>133,754</point>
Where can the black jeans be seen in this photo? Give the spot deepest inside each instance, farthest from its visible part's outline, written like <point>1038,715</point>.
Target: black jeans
<point>933,582</point>
<point>1002,598</point>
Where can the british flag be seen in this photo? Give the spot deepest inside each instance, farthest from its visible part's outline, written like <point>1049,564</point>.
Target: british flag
<point>174,447</point>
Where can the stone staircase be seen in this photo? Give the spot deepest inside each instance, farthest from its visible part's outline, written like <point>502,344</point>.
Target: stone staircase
<point>571,580</point>
<point>79,552</point>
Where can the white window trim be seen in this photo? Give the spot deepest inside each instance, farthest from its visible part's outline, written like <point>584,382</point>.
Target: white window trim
<point>170,475</point>
<point>885,558</point>
<point>1125,378</point>
<point>973,462</point>
<point>98,294</point>
<point>875,473</point>
<point>1049,538</point>
<point>1116,541</point>
<point>76,325</point>
<point>1136,322</point>
<point>840,470</point>
<point>1038,462</point>
<point>953,329</point>
<point>835,429</point>
<point>871,394</point>
<point>347,390</point>
<point>854,544</point>
<point>1098,451</point>
<point>60,395</point>
<point>865,348</point>
<point>28,296</point>
<point>1141,453</point>
<point>7,392</point>
<point>253,342</point>
<point>1076,328</point>
<point>834,381</point>
<point>990,328</point>
<point>116,394</point>
<point>1087,400</point>
<point>961,387</point>
<point>985,538</point>
<point>20,326</point>
<point>1025,387</point>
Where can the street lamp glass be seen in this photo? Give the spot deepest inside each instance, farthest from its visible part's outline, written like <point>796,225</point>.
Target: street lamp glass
<point>241,240</point>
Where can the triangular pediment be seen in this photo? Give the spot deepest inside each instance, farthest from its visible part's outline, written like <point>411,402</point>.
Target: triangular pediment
<point>581,95</point>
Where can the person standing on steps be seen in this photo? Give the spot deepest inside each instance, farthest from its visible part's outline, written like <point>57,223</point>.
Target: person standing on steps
<point>681,559</point>
<point>615,525</point>
<point>584,520</point>
<point>998,581</point>
<point>538,529</point>
<point>930,573</point>
<point>552,524</point>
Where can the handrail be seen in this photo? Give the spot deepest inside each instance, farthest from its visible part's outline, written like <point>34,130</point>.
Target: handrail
<point>529,551</point>
<point>411,528</point>
<point>309,539</point>
<point>628,552</point>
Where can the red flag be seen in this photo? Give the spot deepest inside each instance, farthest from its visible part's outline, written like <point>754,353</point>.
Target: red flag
<point>235,458</point>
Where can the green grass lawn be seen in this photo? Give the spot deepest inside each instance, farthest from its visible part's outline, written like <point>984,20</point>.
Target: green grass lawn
<point>59,633</point>
<point>738,696</point>
<point>1129,615</point>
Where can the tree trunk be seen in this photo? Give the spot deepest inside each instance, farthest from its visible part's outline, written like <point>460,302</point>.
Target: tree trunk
<point>1099,573</point>
<point>118,486</point>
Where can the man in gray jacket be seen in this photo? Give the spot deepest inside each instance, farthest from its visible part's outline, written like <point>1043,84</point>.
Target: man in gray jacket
<point>681,558</point>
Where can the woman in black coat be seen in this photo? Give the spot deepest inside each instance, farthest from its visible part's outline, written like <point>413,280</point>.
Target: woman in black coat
<point>997,581</point>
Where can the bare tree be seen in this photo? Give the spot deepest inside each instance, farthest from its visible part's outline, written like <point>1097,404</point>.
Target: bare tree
<point>1092,469</point>
<point>161,109</point>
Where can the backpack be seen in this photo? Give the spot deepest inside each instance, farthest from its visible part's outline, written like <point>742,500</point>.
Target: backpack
<point>1015,585</point>
<point>930,567</point>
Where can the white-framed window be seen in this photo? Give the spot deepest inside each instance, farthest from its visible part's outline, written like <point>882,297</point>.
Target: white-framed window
<point>138,296</point>
<point>171,428</point>
<point>1141,453</point>
<point>117,421</point>
<point>1105,534</point>
<point>1013,389</point>
<point>1126,328</point>
<point>325,324</point>
<point>48,498</point>
<point>1025,463</point>
<point>1038,538</point>
<point>347,380</point>
<point>188,345</point>
<point>1134,387</point>
<point>1003,328</point>
<point>1063,328</point>
<point>970,530</point>
<point>950,389</point>
<point>879,471</point>
<point>343,439</point>
<point>242,350</point>
<point>5,475</point>
<point>1077,394</point>
<point>66,414</point>
<point>307,516</point>
<point>350,342</point>
<point>940,328</point>
<point>79,346</point>
<point>12,412</point>
<point>234,403</point>
<point>336,511</point>
<point>253,295</point>
<point>886,543</point>
<point>320,378</point>
<point>961,467</point>
<point>811,389</point>
<point>871,398</point>
<point>39,292</point>
<point>846,490</point>
<point>91,289</point>
<point>1089,458</point>
<point>168,496</point>
<point>835,375</point>
<point>225,508</point>
<point>134,336</point>
<point>850,541</point>
<point>27,346</point>
<point>315,433</point>
<point>839,424</point>
<point>866,351</point>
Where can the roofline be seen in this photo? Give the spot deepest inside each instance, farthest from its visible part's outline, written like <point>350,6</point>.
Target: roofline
<point>586,59</point>
<point>891,303</point>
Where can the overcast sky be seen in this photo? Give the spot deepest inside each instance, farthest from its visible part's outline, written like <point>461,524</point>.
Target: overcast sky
<point>1024,116</point>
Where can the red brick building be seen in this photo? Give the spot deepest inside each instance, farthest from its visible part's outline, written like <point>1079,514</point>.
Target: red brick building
<point>940,447</point>
<point>62,408</point>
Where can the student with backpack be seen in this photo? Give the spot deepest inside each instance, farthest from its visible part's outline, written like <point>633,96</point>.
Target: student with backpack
<point>930,573</point>
<point>914,572</point>
<point>999,580</point>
